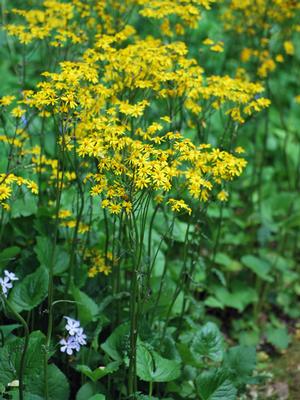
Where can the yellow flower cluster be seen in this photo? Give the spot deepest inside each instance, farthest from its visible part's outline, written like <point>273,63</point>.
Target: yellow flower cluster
<point>54,20</point>
<point>97,261</point>
<point>76,21</point>
<point>266,28</point>
<point>123,98</point>
<point>136,150</point>
<point>67,220</point>
<point>187,10</point>
<point>6,187</point>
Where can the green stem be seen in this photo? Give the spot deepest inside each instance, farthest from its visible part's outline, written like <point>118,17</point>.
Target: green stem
<point>25,347</point>
<point>150,388</point>
<point>59,186</point>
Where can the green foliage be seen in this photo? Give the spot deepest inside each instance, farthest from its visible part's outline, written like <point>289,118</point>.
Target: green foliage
<point>87,308</point>
<point>100,372</point>
<point>208,343</point>
<point>173,304</point>
<point>31,291</point>
<point>215,385</point>
<point>151,367</point>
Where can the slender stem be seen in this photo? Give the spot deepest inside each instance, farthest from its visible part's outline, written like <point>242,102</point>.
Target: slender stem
<point>59,186</point>
<point>150,388</point>
<point>25,347</point>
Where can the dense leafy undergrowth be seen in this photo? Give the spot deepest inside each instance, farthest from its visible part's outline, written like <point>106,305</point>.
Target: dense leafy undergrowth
<point>149,197</point>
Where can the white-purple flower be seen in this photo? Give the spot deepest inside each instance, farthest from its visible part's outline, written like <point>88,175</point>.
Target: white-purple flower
<point>72,326</point>
<point>69,345</point>
<point>80,337</point>
<point>11,275</point>
<point>6,281</point>
<point>76,338</point>
<point>5,285</point>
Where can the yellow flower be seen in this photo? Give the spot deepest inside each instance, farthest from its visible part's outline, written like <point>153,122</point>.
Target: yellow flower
<point>179,205</point>
<point>92,272</point>
<point>279,58</point>
<point>18,112</point>
<point>6,100</point>
<point>239,150</point>
<point>289,48</point>
<point>105,269</point>
<point>64,214</point>
<point>223,195</point>
<point>5,192</point>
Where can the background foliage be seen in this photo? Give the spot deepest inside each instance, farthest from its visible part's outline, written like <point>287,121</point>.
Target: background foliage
<point>149,178</point>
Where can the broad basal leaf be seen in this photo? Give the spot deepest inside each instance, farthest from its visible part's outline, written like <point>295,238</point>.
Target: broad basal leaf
<point>208,342</point>
<point>151,367</point>
<point>240,362</point>
<point>215,385</point>
<point>31,291</point>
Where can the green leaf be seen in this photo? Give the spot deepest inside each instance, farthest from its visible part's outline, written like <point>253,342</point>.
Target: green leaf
<point>151,367</point>
<point>240,361</point>
<point>249,337</point>
<point>208,342</point>
<point>43,249</point>
<point>10,356</point>
<point>24,206</point>
<point>97,397</point>
<point>31,291</point>
<point>58,384</point>
<point>260,267</point>
<point>240,297</point>
<point>213,302</point>
<point>215,385</point>
<point>219,274</point>
<point>7,329</point>
<point>7,255</point>
<point>278,337</point>
<point>87,308</point>
<point>229,264</point>
<point>27,396</point>
<point>99,372</point>
<point>87,391</point>
<point>116,343</point>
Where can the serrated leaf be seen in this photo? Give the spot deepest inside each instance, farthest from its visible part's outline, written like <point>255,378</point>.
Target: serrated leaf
<point>31,291</point>
<point>240,361</point>
<point>208,342</point>
<point>215,385</point>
